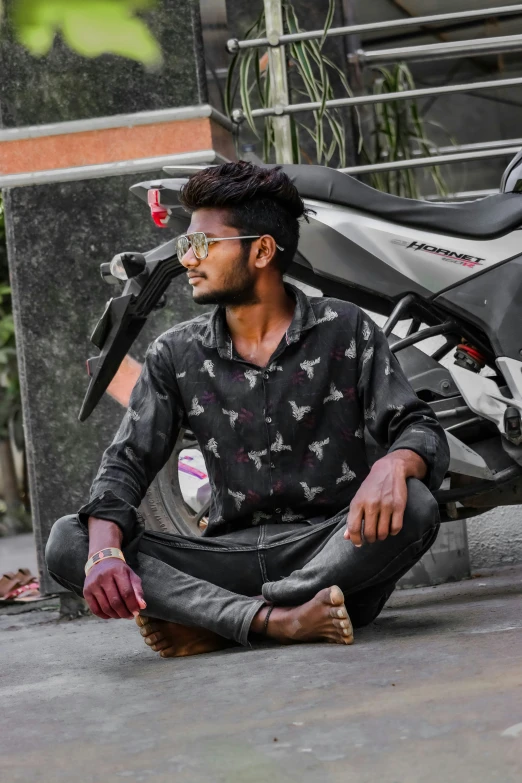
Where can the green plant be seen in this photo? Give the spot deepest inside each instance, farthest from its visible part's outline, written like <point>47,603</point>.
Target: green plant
<point>397,130</point>
<point>9,384</point>
<point>16,517</point>
<point>398,133</point>
<point>89,27</point>
<point>310,78</point>
<point>9,387</point>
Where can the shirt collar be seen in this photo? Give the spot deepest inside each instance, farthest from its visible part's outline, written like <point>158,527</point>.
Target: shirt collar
<point>217,335</point>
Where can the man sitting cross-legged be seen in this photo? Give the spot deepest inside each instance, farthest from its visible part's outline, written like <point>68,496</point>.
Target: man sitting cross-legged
<point>304,541</point>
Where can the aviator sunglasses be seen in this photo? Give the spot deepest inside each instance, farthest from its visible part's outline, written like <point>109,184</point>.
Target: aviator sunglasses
<point>199,242</point>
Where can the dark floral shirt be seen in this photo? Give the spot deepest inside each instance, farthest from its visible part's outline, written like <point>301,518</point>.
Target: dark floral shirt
<point>282,443</point>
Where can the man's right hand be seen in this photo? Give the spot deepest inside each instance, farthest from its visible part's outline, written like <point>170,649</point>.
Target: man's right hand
<point>113,590</point>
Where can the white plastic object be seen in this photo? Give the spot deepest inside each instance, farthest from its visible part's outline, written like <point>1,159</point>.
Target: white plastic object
<point>193,479</point>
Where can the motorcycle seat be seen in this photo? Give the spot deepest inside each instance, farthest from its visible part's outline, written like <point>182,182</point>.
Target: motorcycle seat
<point>485,218</point>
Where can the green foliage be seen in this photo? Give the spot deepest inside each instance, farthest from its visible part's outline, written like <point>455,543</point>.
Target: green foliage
<point>89,27</point>
<point>398,132</point>
<point>10,403</point>
<point>397,128</point>
<point>310,75</point>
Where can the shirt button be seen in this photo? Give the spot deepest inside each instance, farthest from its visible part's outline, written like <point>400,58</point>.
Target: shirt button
<point>268,420</point>
<point>265,376</point>
<point>272,465</point>
<point>278,510</point>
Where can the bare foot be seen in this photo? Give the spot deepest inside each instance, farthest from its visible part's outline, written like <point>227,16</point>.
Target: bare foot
<point>323,619</point>
<point>172,640</point>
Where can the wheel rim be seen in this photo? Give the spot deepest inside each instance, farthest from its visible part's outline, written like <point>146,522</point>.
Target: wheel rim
<point>183,517</point>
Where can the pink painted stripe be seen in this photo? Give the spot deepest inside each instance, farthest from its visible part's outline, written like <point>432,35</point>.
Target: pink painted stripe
<point>192,471</point>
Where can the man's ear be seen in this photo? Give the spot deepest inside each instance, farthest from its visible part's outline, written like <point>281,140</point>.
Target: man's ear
<point>265,252</point>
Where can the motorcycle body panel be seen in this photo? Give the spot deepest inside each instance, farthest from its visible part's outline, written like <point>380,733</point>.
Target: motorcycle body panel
<point>410,260</point>
<point>492,301</point>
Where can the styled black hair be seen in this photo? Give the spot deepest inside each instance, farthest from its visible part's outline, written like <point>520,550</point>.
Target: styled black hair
<point>258,201</point>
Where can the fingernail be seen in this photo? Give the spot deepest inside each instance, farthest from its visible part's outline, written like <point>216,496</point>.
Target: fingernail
<point>135,614</point>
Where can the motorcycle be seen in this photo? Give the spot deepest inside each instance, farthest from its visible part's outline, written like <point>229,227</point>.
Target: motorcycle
<point>454,270</point>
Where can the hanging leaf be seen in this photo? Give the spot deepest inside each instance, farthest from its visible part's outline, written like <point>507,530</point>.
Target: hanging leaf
<point>399,133</point>
<point>245,87</point>
<point>89,27</point>
<point>328,22</point>
<point>232,80</point>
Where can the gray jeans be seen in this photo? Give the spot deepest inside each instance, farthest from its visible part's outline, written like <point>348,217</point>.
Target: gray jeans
<point>215,583</point>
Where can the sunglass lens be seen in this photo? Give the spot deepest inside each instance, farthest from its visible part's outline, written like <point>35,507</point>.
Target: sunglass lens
<point>199,245</point>
<point>182,245</point>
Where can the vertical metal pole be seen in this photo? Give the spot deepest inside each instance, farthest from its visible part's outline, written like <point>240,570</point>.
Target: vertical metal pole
<point>278,81</point>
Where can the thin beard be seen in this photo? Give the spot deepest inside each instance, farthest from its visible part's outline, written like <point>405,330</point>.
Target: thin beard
<point>230,296</point>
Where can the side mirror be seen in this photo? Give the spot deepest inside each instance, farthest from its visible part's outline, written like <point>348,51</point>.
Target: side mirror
<point>124,266</point>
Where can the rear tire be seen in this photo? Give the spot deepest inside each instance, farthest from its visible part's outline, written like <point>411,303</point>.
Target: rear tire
<point>163,506</point>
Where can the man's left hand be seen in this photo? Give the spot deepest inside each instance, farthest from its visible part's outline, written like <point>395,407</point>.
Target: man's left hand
<point>381,499</point>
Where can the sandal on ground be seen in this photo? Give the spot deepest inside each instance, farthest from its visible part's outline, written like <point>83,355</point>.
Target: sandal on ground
<point>11,582</point>
<point>25,576</point>
<point>24,594</point>
<point>8,582</point>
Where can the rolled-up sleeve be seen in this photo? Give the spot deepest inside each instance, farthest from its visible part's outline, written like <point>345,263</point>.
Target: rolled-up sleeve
<point>395,417</point>
<point>142,445</point>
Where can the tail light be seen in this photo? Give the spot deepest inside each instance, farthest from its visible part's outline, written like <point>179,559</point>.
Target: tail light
<point>159,213</point>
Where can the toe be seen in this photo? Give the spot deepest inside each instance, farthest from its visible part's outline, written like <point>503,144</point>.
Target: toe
<point>339,612</point>
<point>336,596</point>
<point>344,630</point>
<point>169,652</point>
<point>153,638</point>
<point>147,630</point>
<point>141,620</point>
<point>163,644</point>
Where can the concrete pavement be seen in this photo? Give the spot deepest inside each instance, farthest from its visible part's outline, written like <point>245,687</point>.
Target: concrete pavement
<point>431,692</point>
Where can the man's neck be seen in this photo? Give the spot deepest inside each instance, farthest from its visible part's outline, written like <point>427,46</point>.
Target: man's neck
<point>254,322</point>
<point>257,329</point>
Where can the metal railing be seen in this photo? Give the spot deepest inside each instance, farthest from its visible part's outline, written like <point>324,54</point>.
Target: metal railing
<point>440,51</point>
<point>478,145</point>
<point>282,108</point>
<point>432,160</point>
<point>278,39</point>
<point>360,100</point>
